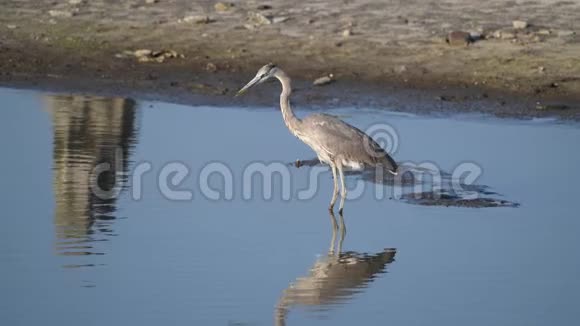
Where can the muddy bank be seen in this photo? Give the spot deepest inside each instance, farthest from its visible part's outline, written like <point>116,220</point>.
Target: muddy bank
<point>380,54</point>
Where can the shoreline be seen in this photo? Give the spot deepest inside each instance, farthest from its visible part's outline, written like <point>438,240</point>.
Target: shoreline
<point>409,69</point>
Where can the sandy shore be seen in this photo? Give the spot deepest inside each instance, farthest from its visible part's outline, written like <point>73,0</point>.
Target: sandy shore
<point>379,53</point>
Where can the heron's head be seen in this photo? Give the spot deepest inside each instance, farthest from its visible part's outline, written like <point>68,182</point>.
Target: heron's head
<point>265,73</point>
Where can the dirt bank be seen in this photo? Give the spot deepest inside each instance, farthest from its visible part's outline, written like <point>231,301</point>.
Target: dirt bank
<point>380,53</point>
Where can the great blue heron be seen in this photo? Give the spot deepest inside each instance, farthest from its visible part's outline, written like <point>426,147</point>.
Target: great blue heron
<point>336,143</point>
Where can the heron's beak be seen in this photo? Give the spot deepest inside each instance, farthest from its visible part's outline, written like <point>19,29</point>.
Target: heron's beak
<point>249,85</point>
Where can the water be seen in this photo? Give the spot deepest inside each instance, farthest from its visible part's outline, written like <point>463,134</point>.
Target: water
<point>70,255</point>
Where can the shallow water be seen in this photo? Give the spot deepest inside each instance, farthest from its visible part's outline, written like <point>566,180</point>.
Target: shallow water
<point>70,254</point>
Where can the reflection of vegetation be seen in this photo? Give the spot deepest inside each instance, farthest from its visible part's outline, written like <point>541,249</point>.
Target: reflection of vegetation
<point>334,278</point>
<point>88,131</point>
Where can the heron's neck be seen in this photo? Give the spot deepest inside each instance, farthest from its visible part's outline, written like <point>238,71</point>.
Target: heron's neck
<point>291,121</point>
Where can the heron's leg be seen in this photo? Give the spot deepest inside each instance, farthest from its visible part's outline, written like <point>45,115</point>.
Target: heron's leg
<point>343,190</point>
<point>335,191</point>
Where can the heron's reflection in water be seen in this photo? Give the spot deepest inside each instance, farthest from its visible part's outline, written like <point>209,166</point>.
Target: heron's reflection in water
<point>89,132</point>
<point>334,278</point>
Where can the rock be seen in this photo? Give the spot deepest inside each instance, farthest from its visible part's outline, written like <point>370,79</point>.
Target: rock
<point>75,2</point>
<point>280,19</point>
<point>144,59</point>
<point>223,6</point>
<point>475,36</point>
<point>146,55</point>
<point>458,38</point>
<point>211,67</point>
<point>553,107</point>
<point>507,35</point>
<point>121,55</point>
<point>150,2</point>
<point>257,19</point>
<point>544,32</point>
<point>520,24</point>
<point>401,69</point>
<point>197,19</point>
<point>167,54</point>
<point>61,13</point>
<point>346,33</point>
<point>541,69</point>
<point>566,33</point>
<point>142,53</point>
<point>323,80</point>
<point>11,26</point>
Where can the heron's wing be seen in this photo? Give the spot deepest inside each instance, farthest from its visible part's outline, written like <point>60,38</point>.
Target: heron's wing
<point>337,137</point>
<point>332,126</point>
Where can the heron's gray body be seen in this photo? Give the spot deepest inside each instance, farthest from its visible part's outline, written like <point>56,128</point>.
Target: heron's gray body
<point>336,143</point>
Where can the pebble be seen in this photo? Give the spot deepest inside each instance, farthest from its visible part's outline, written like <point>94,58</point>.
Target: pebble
<point>520,24</point>
<point>75,2</point>
<point>346,33</point>
<point>150,2</point>
<point>223,6</point>
<point>458,38</point>
<point>61,13</point>
<point>323,80</point>
<point>196,19</point>
<point>11,26</point>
